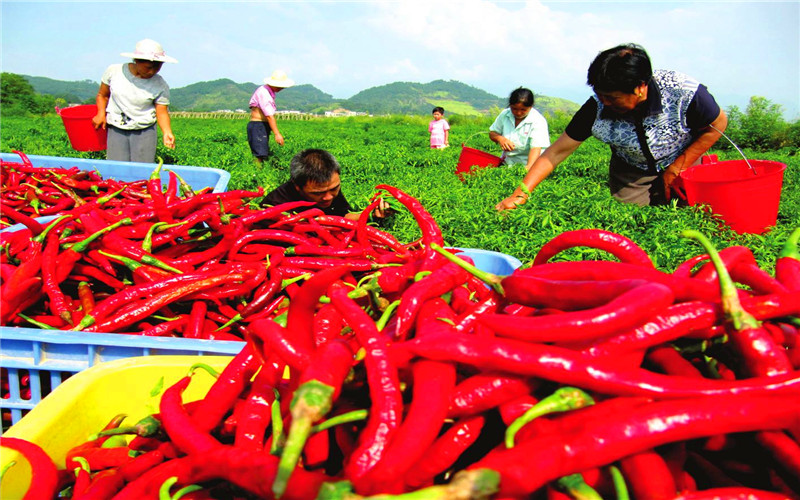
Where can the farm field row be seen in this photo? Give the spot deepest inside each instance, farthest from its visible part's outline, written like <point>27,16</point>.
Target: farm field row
<point>394,150</point>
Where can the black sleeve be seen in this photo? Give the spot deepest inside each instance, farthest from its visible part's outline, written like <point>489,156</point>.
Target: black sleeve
<point>702,110</point>
<point>580,127</point>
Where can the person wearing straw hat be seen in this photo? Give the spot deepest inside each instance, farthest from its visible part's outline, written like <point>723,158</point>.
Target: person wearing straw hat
<point>657,123</point>
<point>262,114</point>
<point>132,98</point>
<point>519,130</point>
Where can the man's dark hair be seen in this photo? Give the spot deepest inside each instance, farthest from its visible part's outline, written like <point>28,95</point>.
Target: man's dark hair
<point>522,96</point>
<point>439,109</point>
<point>620,69</point>
<point>315,165</point>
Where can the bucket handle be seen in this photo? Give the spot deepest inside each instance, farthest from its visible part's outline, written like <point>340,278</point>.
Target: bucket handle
<point>470,137</point>
<point>58,111</point>
<point>737,149</point>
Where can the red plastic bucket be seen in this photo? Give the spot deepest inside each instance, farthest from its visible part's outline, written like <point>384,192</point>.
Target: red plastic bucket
<point>82,134</point>
<point>748,202</point>
<point>474,157</point>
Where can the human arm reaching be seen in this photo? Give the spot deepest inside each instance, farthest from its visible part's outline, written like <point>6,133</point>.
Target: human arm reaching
<point>541,168</point>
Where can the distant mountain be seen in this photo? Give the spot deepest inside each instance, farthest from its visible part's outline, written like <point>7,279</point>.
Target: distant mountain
<point>419,98</point>
<point>73,92</point>
<point>409,98</point>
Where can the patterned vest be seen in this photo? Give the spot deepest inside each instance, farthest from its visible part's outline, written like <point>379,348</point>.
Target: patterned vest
<point>666,132</point>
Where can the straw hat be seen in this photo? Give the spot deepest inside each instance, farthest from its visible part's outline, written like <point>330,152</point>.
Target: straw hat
<point>279,79</point>
<point>149,50</point>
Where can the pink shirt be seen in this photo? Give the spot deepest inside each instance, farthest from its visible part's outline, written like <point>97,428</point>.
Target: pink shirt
<point>437,129</point>
<point>264,99</point>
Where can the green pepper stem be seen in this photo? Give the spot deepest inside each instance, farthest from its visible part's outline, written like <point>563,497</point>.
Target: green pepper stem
<point>490,279</point>
<point>387,314</point>
<point>311,402</point>
<point>344,418</point>
<point>574,486</point>
<point>729,295</point>
<point>163,491</point>
<point>211,371</point>
<point>789,249</point>
<point>564,399</point>
<point>620,487</point>
<point>36,323</point>
<point>277,425</point>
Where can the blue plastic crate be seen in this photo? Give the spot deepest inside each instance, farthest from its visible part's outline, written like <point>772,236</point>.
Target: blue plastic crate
<point>48,357</point>
<point>197,177</point>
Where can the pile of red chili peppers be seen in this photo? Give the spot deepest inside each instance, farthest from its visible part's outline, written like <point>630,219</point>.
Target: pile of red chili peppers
<point>376,368</point>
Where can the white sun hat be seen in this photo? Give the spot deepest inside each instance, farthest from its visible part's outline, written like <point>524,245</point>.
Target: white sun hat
<point>279,79</point>
<point>149,50</point>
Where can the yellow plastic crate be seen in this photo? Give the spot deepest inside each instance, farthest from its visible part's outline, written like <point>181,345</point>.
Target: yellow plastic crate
<point>84,404</point>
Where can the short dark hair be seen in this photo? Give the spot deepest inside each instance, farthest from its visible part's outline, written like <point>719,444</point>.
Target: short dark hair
<point>620,69</point>
<point>522,96</point>
<point>439,109</point>
<point>315,165</point>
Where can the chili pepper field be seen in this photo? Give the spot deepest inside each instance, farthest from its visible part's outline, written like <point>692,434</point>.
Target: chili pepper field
<point>638,353</point>
<point>394,150</point>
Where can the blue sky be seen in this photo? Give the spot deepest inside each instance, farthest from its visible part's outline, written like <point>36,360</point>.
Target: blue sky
<point>738,49</point>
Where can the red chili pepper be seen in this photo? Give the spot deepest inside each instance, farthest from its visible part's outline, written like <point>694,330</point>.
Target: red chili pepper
<point>569,367</point>
<point>141,464</point>
<point>433,384</point>
<point>431,233</point>
<point>104,485</point>
<point>445,451</point>
<point>252,471</point>
<point>648,476</point>
<point>437,283</point>
<point>730,493</point>
<point>762,356</point>
<point>675,322</point>
<point>144,308</point>
<point>86,297</point>
<point>177,423</point>
<point>222,395</point>
<point>617,245</point>
<point>20,218</point>
<point>628,310</point>
<point>328,324</point>
<point>101,458</point>
<point>256,411</point>
<point>381,237</point>
<point>484,391</point>
<point>44,475</point>
<point>685,289</point>
<point>384,387</point>
<point>300,320</point>
<point>319,386</point>
<point>266,337</point>
<point>641,428</point>
<point>467,320</point>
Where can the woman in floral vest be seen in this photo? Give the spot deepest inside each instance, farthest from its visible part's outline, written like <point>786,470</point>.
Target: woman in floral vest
<point>657,123</point>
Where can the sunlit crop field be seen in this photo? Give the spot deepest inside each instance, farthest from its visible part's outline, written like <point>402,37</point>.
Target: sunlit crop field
<point>394,150</point>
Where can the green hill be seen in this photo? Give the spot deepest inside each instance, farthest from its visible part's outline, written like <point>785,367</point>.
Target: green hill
<point>419,98</point>
<point>409,98</point>
<point>83,91</point>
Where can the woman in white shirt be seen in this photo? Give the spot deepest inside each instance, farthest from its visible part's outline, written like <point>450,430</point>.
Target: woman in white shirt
<point>519,130</point>
<point>132,98</point>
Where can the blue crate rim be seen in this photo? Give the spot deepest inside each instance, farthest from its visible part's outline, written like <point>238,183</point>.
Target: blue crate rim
<point>115,339</point>
<point>510,259</point>
<point>224,174</point>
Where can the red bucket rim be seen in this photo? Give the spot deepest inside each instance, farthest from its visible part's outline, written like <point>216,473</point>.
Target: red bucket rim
<point>773,168</point>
